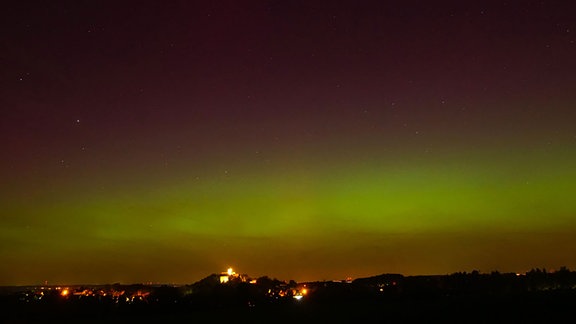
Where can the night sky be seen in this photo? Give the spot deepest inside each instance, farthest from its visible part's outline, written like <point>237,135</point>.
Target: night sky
<point>162,141</point>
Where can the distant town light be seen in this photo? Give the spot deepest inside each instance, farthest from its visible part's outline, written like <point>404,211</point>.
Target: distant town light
<point>64,292</point>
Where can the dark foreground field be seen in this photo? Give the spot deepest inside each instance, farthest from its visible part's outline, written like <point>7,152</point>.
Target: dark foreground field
<point>530,307</point>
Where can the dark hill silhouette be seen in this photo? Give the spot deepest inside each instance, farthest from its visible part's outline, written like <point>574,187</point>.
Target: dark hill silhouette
<point>537,295</point>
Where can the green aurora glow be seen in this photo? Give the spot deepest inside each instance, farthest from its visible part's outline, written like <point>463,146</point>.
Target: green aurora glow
<point>462,205</point>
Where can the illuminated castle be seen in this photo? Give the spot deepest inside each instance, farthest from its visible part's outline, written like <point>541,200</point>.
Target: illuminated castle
<point>226,276</point>
<point>230,275</point>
